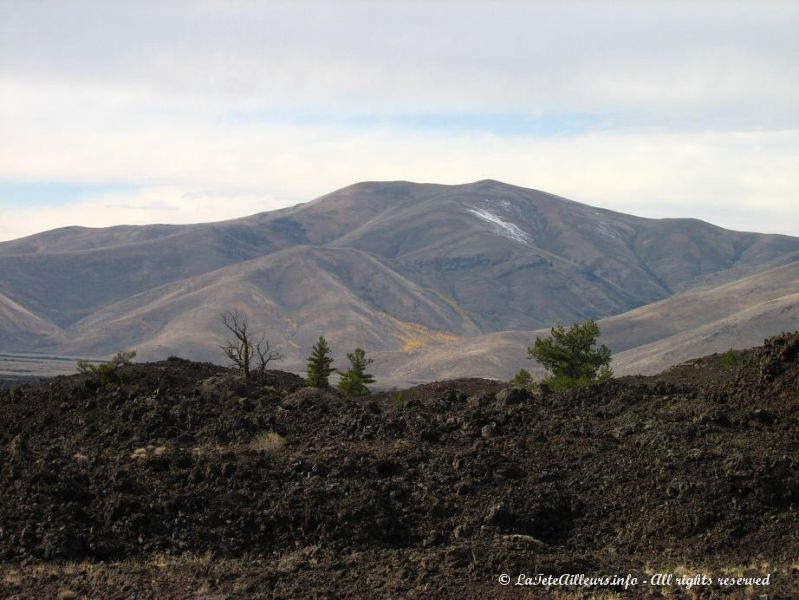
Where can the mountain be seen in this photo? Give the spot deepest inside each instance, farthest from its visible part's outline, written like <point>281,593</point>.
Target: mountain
<point>667,332</point>
<point>405,269</point>
<point>20,327</point>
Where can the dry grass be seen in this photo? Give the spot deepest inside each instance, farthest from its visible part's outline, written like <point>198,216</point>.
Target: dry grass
<point>162,560</point>
<point>269,442</point>
<point>149,451</point>
<point>12,577</point>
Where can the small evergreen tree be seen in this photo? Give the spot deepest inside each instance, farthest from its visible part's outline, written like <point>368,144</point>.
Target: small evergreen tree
<point>571,356</point>
<point>523,379</point>
<point>319,362</point>
<point>353,381</point>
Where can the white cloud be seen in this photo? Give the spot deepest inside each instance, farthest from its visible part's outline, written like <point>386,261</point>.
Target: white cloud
<point>740,180</point>
<point>693,104</point>
<point>656,60</point>
<point>140,207</point>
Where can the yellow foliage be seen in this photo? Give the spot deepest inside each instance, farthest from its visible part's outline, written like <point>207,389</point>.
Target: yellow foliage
<point>415,336</point>
<point>412,344</point>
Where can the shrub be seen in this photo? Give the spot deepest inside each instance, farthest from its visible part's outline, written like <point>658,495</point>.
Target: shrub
<point>269,442</point>
<point>729,360</point>
<point>398,400</point>
<point>353,381</point>
<point>571,356</point>
<point>111,372</point>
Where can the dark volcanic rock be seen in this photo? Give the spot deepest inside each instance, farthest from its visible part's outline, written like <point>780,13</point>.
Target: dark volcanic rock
<point>269,481</point>
<point>511,396</point>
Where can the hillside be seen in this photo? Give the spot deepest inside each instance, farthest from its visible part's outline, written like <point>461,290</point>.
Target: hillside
<point>393,267</point>
<point>21,328</point>
<point>684,326</point>
<point>183,481</point>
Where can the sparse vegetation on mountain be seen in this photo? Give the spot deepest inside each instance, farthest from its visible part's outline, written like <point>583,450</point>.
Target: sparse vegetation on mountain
<point>353,380</point>
<point>572,357</point>
<point>431,295</point>
<point>242,350</point>
<point>111,372</point>
<point>319,364</point>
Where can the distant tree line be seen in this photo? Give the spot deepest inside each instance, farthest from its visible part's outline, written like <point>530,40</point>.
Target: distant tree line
<point>251,358</point>
<point>570,356</point>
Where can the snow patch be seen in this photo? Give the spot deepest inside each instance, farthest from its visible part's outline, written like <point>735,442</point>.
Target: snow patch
<point>502,227</point>
<point>606,230</point>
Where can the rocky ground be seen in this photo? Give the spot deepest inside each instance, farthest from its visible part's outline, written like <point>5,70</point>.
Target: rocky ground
<point>184,482</point>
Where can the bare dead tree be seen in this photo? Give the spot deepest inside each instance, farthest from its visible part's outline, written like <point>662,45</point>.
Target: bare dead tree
<point>241,349</point>
<point>265,355</point>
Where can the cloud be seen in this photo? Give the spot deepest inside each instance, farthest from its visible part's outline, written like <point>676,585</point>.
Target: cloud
<point>140,207</point>
<point>658,60</point>
<point>739,180</point>
<point>216,109</point>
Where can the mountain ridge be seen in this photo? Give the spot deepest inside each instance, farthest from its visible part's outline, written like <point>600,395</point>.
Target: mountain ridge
<point>404,265</point>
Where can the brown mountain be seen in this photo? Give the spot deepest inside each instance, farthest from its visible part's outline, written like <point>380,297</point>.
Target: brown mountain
<point>668,332</point>
<point>396,267</point>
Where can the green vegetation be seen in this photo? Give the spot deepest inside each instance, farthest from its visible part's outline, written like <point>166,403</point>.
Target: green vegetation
<point>353,381</point>
<point>571,356</point>
<point>319,365</point>
<point>242,350</point>
<point>729,360</point>
<point>398,400</point>
<point>111,372</point>
<point>523,379</point>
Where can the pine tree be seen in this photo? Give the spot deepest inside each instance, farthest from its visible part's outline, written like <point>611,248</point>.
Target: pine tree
<point>319,362</point>
<point>353,380</point>
<point>523,379</point>
<point>571,356</point>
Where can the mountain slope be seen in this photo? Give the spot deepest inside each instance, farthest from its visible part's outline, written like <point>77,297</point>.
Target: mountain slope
<point>488,239</point>
<point>391,266</point>
<point>21,328</point>
<point>291,296</point>
<point>685,326</point>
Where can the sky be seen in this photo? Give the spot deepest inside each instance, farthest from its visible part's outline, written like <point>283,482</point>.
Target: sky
<point>135,112</point>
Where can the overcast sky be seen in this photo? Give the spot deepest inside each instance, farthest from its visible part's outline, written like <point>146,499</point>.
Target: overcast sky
<point>177,112</point>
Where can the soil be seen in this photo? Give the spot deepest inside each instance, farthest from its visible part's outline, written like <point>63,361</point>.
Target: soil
<point>186,482</point>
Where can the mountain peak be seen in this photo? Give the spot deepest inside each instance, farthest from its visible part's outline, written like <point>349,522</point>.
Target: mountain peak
<point>385,265</point>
